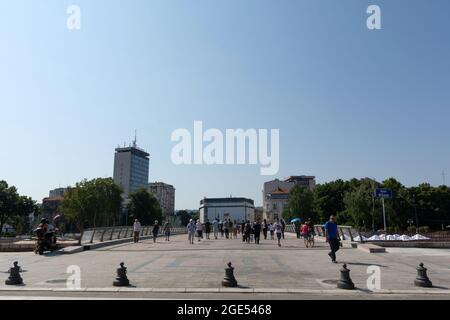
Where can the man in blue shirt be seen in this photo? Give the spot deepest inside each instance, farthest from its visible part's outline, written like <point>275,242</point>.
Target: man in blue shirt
<point>332,236</point>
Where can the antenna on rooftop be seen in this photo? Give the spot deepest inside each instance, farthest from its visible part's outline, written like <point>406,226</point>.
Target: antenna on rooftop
<point>135,139</point>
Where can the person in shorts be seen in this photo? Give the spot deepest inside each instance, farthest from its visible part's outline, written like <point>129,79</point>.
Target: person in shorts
<point>167,227</point>
<point>191,228</point>
<point>271,231</point>
<point>216,228</point>
<point>265,228</point>
<point>304,231</point>
<point>199,228</point>
<point>136,230</point>
<point>235,229</point>
<point>155,230</point>
<point>312,233</point>
<point>207,228</point>
<point>279,231</point>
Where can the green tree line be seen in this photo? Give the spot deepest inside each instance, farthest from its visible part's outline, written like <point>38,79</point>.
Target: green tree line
<point>90,203</point>
<point>98,203</point>
<point>353,203</point>
<point>15,209</point>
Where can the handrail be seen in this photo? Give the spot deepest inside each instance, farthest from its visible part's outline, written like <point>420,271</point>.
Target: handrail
<point>98,234</point>
<point>101,234</point>
<point>344,232</point>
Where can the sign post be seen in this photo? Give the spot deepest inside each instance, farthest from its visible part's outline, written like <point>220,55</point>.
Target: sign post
<point>383,194</point>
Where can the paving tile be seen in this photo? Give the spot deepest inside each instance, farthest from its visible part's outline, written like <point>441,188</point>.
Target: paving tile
<point>178,265</point>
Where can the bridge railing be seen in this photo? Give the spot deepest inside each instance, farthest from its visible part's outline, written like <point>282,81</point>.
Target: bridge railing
<point>345,232</point>
<point>290,228</point>
<point>101,234</point>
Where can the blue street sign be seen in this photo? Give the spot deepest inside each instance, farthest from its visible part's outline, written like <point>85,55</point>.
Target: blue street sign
<point>383,193</point>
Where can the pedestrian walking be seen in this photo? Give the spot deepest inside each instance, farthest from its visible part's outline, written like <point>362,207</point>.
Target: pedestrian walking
<point>191,228</point>
<point>297,227</point>
<point>243,224</point>
<point>332,237</point>
<point>248,231</point>
<point>207,228</point>
<point>252,232</point>
<point>167,227</point>
<point>283,227</point>
<point>216,228</point>
<point>311,232</point>
<point>136,230</point>
<point>235,229</point>
<point>265,228</point>
<point>155,231</point>
<point>304,230</point>
<point>199,228</point>
<point>271,230</point>
<point>221,228</point>
<point>257,230</point>
<point>278,230</point>
<point>226,226</point>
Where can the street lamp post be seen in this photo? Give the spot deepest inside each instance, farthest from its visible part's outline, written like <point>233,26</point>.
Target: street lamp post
<point>417,220</point>
<point>373,205</point>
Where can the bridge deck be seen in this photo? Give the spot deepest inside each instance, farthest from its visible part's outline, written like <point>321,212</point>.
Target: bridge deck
<point>177,264</point>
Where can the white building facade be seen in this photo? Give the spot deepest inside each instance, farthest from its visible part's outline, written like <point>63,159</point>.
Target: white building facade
<point>236,209</point>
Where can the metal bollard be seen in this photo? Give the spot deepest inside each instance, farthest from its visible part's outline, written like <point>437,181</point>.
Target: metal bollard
<point>229,280</point>
<point>345,282</point>
<point>422,279</point>
<point>121,280</point>
<point>14,275</point>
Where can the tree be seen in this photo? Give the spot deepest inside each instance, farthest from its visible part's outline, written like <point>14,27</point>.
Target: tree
<point>195,215</point>
<point>398,208</point>
<point>15,209</point>
<point>144,206</point>
<point>25,206</point>
<point>352,201</point>
<point>329,198</point>
<point>92,203</point>
<point>8,203</point>
<point>184,217</point>
<point>431,204</point>
<point>300,202</point>
<point>358,205</point>
<point>288,215</point>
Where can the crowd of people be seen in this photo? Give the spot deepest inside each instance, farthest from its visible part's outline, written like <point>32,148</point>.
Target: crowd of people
<point>155,230</point>
<point>250,231</point>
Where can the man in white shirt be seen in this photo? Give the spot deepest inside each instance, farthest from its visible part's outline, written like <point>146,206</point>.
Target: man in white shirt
<point>278,230</point>
<point>136,229</point>
<point>199,227</point>
<point>216,228</point>
<point>191,227</point>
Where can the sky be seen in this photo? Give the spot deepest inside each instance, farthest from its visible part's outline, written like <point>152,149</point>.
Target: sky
<point>348,101</point>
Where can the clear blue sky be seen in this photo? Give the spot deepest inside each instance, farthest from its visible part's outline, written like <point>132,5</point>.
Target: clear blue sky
<point>349,102</point>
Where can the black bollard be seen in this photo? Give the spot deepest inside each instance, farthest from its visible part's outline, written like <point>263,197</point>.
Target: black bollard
<point>229,280</point>
<point>345,282</point>
<point>14,275</point>
<point>422,279</point>
<point>121,280</point>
